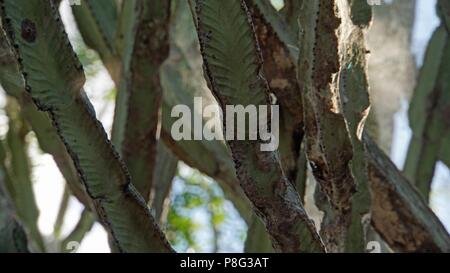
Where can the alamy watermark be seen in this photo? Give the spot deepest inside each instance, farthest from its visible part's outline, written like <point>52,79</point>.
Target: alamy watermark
<point>250,122</point>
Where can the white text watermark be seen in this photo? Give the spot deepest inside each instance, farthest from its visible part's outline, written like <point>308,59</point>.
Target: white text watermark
<point>250,122</point>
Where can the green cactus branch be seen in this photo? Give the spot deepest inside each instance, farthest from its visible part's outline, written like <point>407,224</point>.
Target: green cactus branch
<point>151,48</point>
<point>20,174</point>
<point>35,30</point>
<point>231,75</point>
<point>134,129</point>
<point>126,32</point>
<point>210,157</point>
<point>428,114</point>
<point>98,23</point>
<point>124,44</point>
<point>379,219</point>
<point>83,226</point>
<point>12,81</point>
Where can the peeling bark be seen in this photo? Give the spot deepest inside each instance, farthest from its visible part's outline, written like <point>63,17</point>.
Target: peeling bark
<point>399,214</point>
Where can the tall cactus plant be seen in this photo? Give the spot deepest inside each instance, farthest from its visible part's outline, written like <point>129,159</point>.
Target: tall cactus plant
<point>429,110</point>
<point>34,33</point>
<point>309,59</point>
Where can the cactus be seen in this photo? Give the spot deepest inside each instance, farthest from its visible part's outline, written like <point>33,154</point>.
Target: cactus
<point>334,113</point>
<point>118,205</point>
<point>181,80</point>
<point>40,122</point>
<point>20,184</point>
<point>84,224</point>
<point>428,111</point>
<point>309,58</point>
<point>281,75</point>
<point>234,79</point>
<point>443,9</point>
<point>355,102</point>
<point>97,21</point>
<point>150,49</point>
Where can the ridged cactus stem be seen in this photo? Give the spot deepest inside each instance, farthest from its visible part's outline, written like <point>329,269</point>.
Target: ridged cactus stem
<point>55,83</point>
<point>234,78</point>
<point>428,112</point>
<point>150,50</point>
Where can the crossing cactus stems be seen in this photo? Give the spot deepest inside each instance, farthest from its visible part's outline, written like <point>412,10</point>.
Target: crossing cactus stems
<point>21,186</point>
<point>429,110</point>
<point>150,50</point>
<point>328,143</point>
<point>309,58</point>
<point>12,81</point>
<point>55,84</point>
<point>235,78</point>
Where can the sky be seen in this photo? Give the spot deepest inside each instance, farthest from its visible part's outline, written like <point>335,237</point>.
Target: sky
<point>48,182</point>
